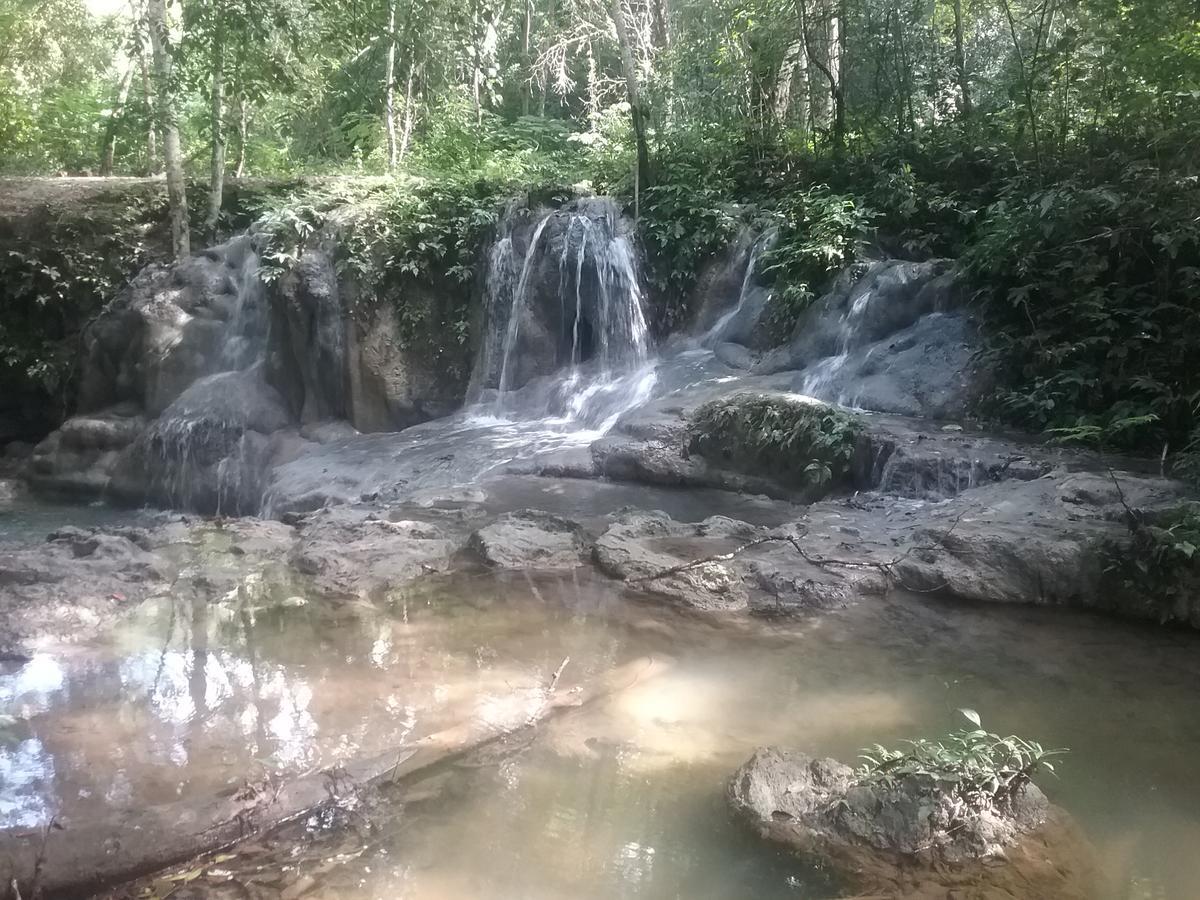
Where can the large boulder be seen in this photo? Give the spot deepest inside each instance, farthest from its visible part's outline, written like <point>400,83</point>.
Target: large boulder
<point>655,554</point>
<point>174,325</point>
<point>210,450</point>
<point>909,839</point>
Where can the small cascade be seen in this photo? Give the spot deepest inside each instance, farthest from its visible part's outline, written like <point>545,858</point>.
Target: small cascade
<point>202,451</point>
<point>575,351</point>
<point>821,377</point>
<point>518,307</point>
<point>720,331</point>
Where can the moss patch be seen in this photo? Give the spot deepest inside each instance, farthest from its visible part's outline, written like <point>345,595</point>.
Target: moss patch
<point>793,440</point>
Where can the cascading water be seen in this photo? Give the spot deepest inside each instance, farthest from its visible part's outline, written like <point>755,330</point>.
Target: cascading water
<point>595,325</point>
<point>204,456</point>
<point>821,377</point>
<point>720,331</point>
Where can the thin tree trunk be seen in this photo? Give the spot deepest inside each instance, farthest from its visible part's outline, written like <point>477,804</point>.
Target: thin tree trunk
<point>960,64</point>
<point>242,127</point>
<point>551,10</point>
<point>216,184</point>
<point>593,90</point>
<point>828,67</point>
<point>109,150</point>
<point>1026,69</point>
<point>169,124</point>
<point>409,112</point>
<point>527,58</point>
<point>389,89</point>
<point>151,117</point>
<point>636,110</point>
<point>838,40</point>
<point>476,63</point>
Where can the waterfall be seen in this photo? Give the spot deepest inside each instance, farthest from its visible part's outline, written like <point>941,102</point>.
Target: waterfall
<point>575,347</point>
<point>718,332</point>
<point>518,306</point>
<point>821,377</point>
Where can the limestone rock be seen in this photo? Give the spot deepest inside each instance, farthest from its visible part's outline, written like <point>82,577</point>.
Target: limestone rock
<point>530,539</point>
<point>639,547</point>
<point>351,552</point>
<point>905,840</point>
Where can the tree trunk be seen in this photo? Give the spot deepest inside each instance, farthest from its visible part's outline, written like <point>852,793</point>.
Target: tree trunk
<point>409,112</point>
<point>216,184</point>
<point>242,127</point>
<point>960,64</point>
<point>593,91</point>
<point>551,9</point>
<point>109,150</point>
<point>527,59</point>
<point>151,123</point>
<point>637,112</point>
<point>389,88</point>
<point>169,124</point>
<point>837,42</point>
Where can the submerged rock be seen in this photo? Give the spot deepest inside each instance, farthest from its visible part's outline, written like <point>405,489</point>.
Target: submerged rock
<point>907,839</point>
<point>530,539</point>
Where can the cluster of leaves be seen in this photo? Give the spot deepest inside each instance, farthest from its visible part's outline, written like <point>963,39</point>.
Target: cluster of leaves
<point>1091,294</point>
<point>1160,566</point>
<point>795,441</point>
<point>414,243</point>
<point>977,769</point>
<point>53,278</point>
<point>685,220</point>
<point>818,232</point>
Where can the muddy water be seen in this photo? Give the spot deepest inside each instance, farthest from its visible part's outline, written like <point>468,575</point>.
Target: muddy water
<point>620,799</point>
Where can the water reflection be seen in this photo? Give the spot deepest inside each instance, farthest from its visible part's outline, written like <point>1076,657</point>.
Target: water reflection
<point>192,697</point>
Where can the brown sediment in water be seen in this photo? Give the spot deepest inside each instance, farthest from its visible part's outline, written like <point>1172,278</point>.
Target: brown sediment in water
<point>92,856</point>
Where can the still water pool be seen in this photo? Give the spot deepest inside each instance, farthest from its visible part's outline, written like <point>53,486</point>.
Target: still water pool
<point>621,798</point>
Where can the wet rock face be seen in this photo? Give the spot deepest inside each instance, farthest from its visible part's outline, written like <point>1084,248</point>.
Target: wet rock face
<point>906,840</point>
<point>889,337</point>
<point>530,539</point>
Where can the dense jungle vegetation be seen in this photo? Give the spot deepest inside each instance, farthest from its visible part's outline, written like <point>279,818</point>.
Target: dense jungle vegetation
<point>1050,145</point>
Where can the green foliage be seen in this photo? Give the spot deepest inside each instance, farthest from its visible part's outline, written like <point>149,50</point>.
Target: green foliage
<point>795,440</point>
<point>1090,292</point>
<point>687,217</point>
<point>54,279</point>
<point>1160,565</point>
<point>818,233</point>
<point>976,768</point>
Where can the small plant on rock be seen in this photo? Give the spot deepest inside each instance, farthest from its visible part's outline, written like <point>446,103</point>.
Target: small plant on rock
<point>976,769</point>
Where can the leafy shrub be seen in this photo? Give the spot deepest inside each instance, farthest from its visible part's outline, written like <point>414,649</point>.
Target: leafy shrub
<point>819,232</point>
<point>978,769</point>
<point>1160,566</point>
<point>795,440</point>
<point>1090,294</point>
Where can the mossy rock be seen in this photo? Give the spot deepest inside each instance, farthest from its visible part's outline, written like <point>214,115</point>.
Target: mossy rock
<point>797,441</point>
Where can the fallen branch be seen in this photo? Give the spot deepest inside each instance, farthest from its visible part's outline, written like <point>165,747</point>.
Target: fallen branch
<point>704,561</point>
